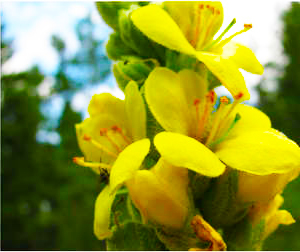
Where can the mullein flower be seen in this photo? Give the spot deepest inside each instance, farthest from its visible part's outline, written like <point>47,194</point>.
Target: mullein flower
<point>238,135</point>
<point>189,28</point>
<point>113,135</point>
<point>114,139</point>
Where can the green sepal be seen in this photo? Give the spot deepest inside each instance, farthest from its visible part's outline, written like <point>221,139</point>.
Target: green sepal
<point>198,184</point>
<point>110,12</point>
<point>133,69</point>
<point>133,37</point>
<point>220,206</point>
<point>116,49</point>
<point>134,236</point>
<point>243,236</point>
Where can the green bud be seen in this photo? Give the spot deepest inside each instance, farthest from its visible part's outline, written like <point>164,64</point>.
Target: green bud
<point>110,12</point>
<point>116,49</point>
<point>134,69</point>
<point>132,37</point>
<point>243,236</point>
<point>220,206</point>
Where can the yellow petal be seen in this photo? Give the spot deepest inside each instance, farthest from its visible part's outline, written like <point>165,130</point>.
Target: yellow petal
<point>260,153</point>
<point>102,214</point>
<point>175,180</point>
<point>157,24</point>
<point>243,57</point>
<point>250,186</point>
<point>167,101</point>
<point>183,151</point>
<point>135,109</point>
<point>154,201</point>
<point>227,72</point>
<point>128,162</point>
<point>251,119</point>
<point>108,104</point>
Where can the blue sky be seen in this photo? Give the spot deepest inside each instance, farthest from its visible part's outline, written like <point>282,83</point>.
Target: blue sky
<point>31,24</point>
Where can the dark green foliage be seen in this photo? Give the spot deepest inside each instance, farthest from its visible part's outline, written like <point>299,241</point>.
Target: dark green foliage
<point>144,238</point>
<point>283,107</point>
<point>47,201</point>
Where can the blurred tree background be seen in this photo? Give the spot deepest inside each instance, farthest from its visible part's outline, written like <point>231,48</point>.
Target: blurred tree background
<point>47,201</point>
<point>282,105</point>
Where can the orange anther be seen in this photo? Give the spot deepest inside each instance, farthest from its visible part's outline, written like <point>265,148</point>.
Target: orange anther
<point>86,137</point>
<point>224,99</point>
<point>201,6</point>
<point>207,6</point>
<point>218,12</point>
<point>103,132</point>
<point>196,101</point>
<point>211,96</point>
<point>77,159</point>
<point>116,128</point>
<point>212,10</point>
<point>239,96</point>
<point>248,26</point>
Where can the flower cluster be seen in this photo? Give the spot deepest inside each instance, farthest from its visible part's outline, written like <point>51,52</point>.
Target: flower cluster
<point>180,166</point>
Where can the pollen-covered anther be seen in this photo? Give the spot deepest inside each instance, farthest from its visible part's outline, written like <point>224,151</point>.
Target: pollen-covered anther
<point>78,160</point>
<point>196,102</point>
<point>86,137</point>
<point>211,96</point>
<point>103,132</point>
<point>117,129</point>
<point>248,26</point>
<point>224,100</point>
<point>238,96</point>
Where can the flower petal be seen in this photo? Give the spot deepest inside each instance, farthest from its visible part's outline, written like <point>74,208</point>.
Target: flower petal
<point>128,162</point>
<point>227,72</point>
<point>243,57</point>
<point>155,201</point>
<point>157,24</point>
<point>135,109</point>
<point>167,100</point>
<point>251,119</point>
<point>260,153</point>
<point>102,214</point>
<point>108,104</point>
<point>183,151</point>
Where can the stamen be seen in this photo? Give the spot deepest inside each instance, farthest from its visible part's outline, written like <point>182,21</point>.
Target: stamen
<point>98,145</point>
<point>225,41</point>
<point>223,137</point>
<point>210,101</point>
<point>198,21</point>
<point>221,36</point>
<point>216,121</point>
<point>94,165</point>
<point>119,130</point>
<point>104,132</point>
<point>226,117</point>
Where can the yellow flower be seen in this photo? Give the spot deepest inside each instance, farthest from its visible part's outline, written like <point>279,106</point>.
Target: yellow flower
<point>189,28</point>
<point>273,217</point>
<point>112,136</point>
<point>114,139</point>
<point>238,135</point>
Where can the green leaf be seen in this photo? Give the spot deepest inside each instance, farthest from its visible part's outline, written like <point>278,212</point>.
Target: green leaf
<point>134,236</point>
